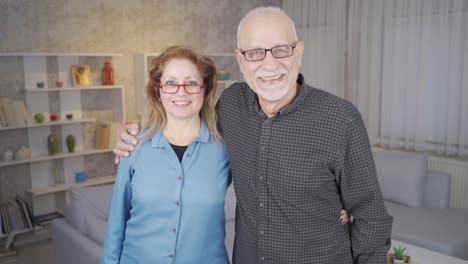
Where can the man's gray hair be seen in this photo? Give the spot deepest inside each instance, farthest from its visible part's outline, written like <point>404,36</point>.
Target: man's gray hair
<point>265,10</point>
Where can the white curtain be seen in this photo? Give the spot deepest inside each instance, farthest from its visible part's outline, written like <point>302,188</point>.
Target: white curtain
<point>321,24</point>
<point>406,69</point>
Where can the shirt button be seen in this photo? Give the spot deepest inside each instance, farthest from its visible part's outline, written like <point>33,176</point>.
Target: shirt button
<point>180,178</point>
<point>262,148</point>
<point>170,256</point>
<point>188,155</point>
<point>262,258</point>
<point>261,177</point>
<point>177,203</point>
<point>261,205</point>
<point>261,232</point>
<point>173,230</point>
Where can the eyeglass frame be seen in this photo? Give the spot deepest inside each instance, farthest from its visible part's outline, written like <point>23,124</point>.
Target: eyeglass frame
<point>161,86</point>
<point>293,46</point>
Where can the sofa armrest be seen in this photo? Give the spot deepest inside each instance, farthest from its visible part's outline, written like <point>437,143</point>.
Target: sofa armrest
<point>73,247</point>
<point>437,191</point>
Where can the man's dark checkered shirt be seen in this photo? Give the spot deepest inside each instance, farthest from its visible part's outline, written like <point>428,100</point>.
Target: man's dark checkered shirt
<point>294,172</point>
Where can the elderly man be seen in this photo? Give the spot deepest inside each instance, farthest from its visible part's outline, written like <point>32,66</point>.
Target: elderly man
<point>298,156</point>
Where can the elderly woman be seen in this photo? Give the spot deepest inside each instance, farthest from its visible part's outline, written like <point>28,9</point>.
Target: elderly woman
<point>168,200</point>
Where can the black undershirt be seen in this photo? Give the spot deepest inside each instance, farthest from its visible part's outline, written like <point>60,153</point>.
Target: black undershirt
<point>179,150</point>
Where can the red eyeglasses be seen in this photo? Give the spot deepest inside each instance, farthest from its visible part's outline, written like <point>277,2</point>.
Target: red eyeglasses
<point>174,88</point>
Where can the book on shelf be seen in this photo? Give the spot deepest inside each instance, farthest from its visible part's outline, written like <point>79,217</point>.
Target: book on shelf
<point>18,112</point>
<point>11,217</point>
<point>15,216</point>
<point>6,106</point>
<point>26,213</point>
<point>2,118</point>
<point>14,112</point>
<point>5,221</point>
<point>46,218</point>
<point>22,113</point>
<point>1,224</point>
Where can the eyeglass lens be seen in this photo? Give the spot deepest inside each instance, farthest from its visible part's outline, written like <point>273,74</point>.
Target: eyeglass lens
<point>174,88</point>
<point>282,51</point>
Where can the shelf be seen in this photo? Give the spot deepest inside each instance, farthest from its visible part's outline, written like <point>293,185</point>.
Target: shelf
<point>26,236</point>
<point>39,233</point>
<point>57,156</point>
<point>65,186</point>
<point>23,54</point>
<point>55,123</point>
<point>15,232</point>
<point>69,89</point>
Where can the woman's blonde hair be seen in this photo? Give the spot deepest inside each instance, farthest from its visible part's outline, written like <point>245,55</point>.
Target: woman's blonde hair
<point>155,117</point>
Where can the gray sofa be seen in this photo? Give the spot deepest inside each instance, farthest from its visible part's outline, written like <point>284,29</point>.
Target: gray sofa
<point>417,199</point>
<point>78,238</point>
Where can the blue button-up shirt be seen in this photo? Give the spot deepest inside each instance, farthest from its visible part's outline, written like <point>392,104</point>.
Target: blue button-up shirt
<point>166,211</point>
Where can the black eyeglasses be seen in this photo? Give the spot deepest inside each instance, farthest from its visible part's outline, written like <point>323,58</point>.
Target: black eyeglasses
<point>174,88</point>
<point>282,51</point>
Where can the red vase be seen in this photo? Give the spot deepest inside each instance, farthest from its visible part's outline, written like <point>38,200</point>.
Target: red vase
<point>107,74</point>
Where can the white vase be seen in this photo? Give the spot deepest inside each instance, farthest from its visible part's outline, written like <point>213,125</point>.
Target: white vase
<point>23,153</point>
<point>8,155</point>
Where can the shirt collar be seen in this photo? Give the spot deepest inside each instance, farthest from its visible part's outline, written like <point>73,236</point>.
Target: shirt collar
<point>159,141</point>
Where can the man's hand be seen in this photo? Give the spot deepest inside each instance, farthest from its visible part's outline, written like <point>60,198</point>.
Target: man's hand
<point>125,141</point>
<point>344,217</point>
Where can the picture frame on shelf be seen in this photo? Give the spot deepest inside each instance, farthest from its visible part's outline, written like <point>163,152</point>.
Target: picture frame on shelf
<point>81,75</point>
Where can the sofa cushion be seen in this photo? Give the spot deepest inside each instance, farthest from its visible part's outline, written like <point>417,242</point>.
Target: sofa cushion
<point>441,230</point>
<point>88,201</point>
<point>402,176</point>
<point>95,228</point>
<point>229,239</point>
<point>230,204</point>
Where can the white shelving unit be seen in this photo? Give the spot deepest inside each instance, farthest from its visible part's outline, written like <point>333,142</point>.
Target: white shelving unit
<point>50,175</point>
<point>65,186</point>
<point>16,232</point>
<point>52,123</point>
<point>60,155</point>
<point>143,62</point>
<point>71,89</point>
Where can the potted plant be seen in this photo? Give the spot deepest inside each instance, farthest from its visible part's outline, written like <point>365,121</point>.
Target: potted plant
<point>399,255</point>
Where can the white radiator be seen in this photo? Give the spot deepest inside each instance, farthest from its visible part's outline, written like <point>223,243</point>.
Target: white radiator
<point>458,169</point>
